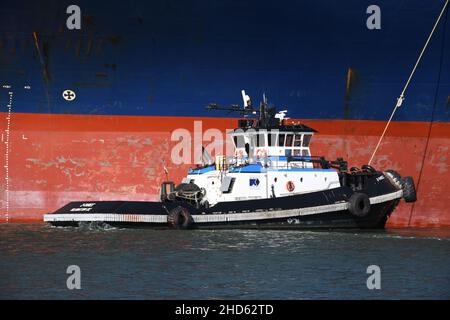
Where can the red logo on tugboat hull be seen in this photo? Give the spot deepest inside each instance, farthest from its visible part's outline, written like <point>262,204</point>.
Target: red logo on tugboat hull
<point>290,186</point>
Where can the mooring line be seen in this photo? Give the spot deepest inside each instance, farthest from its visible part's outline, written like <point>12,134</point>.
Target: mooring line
<point>401,97</point>
<point>430,126</point>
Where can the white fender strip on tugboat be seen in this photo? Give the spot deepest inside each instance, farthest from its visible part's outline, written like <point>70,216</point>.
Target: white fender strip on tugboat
<point>106,217</point>
<point>149,218</point>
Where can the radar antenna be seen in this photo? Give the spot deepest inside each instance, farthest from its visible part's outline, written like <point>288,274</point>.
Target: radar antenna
<point>266,114</point>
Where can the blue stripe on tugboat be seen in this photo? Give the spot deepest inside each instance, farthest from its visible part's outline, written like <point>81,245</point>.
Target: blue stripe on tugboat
<point>201,170</point>
<point>258,168</point>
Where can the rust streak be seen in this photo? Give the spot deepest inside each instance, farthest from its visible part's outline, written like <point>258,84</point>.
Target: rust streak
<point>89,47</point>
<point>349,81</point>
<point>348,87</point>
<point>41,60</point>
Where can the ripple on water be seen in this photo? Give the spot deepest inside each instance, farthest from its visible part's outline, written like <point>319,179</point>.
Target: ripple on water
<point>221,264</point>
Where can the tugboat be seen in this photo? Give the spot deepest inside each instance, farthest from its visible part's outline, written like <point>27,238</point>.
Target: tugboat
<point>272,181</point>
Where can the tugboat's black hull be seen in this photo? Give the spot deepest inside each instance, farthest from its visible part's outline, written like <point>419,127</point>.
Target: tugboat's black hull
<point>328,209</point>
<point>343,219</point>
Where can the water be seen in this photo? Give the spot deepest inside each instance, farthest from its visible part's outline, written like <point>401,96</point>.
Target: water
<point>229,264</point>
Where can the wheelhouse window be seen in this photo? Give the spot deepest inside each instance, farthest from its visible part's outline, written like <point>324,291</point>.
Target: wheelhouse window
<point>289,139</point>
<point>272,137</point>
<point>298,140</point>
<point>297,152</point>
<point>306,140</point>
<point>261,140</point>
<point>281,140</point>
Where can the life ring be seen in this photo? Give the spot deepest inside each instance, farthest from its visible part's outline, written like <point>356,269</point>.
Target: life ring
<point>359,205</point>
<point>290,186</point>
<point>260,153</point>
<point>180,218</point>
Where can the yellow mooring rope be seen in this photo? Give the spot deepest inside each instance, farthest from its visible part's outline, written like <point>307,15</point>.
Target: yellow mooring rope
<point>401,97</point>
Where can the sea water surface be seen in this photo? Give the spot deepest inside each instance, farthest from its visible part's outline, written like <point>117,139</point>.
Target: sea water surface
<point>225,264</point>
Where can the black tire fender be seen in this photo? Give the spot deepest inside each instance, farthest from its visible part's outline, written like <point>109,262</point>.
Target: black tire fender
<point>409,190</point>
<point>180,218</point>
<point>369,168</point>
<point>395,178</point>
<point>359,205</point>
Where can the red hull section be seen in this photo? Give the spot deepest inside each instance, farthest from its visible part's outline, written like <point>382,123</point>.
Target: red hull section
<point>55,159</point>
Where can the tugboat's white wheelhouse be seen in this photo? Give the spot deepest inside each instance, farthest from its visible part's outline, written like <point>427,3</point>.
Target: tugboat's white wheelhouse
<point>274,144</point>
<point>271,160</point>
<point>267,163</point>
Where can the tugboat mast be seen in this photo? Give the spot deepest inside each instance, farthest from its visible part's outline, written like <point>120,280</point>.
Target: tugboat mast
<point>266,115</point>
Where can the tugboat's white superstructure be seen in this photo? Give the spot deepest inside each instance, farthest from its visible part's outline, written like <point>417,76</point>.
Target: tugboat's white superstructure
<point>267,163</point>
<point>272,181</point>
